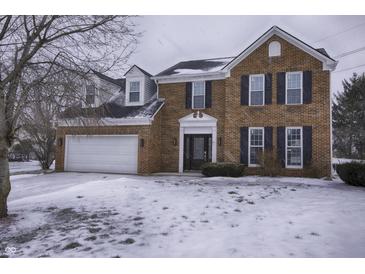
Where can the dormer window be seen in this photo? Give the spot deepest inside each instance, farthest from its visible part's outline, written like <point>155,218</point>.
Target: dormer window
<point>134,91</point>
<point>90,94</point>
<point>274,49</point>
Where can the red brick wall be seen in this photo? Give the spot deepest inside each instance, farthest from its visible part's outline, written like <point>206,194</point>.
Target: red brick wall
<point>231,115</point>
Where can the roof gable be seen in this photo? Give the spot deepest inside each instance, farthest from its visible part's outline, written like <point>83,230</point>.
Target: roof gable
<point>320,54</point>
<point>135,69</point>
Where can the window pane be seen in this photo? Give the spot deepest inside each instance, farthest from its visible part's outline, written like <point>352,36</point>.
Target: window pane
<point>255,153</point>
<point>257,82</point>
<point>257,98</point>
<point>293,96</point>
<point>134,86</point>
<point>199,88</point>
<point>294,80</point>
<point>199,101</point>
<point>294,156</point>
<point>256,137</point>
<point>134,97</point>
<point>294,137</point>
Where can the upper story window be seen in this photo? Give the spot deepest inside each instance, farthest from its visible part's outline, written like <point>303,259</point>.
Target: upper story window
<point>256,145</point>
<point>134,91</point>
<point>274,49</point>
<point>90,94</point>
<point>294,147</point>
<point>256,89</point>
<point>198,94</point>
<point>294,88</point>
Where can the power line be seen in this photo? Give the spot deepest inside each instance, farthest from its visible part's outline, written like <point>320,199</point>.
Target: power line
<point>349,52</point>
<point>363,65</point>
<point>335,34</point>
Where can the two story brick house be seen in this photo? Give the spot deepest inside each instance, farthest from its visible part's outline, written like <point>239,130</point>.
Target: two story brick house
<point>273,96</point>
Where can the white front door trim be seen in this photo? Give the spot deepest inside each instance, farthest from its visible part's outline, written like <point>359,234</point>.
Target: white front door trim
<point>197,123</point>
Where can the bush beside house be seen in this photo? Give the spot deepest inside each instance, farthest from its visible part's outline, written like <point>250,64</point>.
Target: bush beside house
<point>223,169</point>
<point>352,173</point>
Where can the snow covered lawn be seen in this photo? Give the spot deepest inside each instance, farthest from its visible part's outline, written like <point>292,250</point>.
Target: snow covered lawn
<point>101,215</point>
<point>23,167</point>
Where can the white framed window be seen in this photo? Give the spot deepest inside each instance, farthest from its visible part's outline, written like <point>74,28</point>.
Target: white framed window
<point>257,89</point>
<point>134,91</point>
<point>294,147</point>
<point>255,145</point>
<point>198,94</point>
<point>274,49</point>
<point>90,94</point>
<point>294,88</point>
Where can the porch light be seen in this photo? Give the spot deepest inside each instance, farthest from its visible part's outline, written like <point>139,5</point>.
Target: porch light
<point>60,141</point>
<point>174,141</point>
<point>220,141</point>
<point>141,143</point>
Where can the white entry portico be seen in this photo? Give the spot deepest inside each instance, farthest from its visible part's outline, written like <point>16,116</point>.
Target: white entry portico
<point>197,123</point>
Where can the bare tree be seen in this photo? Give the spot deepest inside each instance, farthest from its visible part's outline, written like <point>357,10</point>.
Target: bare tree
<point>35,48</point>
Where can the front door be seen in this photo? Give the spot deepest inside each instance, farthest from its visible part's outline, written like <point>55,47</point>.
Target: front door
<point>197,150</point>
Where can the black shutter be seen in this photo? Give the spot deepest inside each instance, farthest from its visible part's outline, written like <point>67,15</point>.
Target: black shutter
<point>268,89</point>
<point>280,97</point>
<point>307,145</point>
<point>307,87</point>
<point>188,95</point>
<point>244,145</point>
<point>281,145</point>
<point>208,94</point>
<point>244,90</point>
<point>268,138</point>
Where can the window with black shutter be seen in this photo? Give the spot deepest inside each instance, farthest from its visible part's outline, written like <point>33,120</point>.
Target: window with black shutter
<point>244,145</point>
<point>307,87</point>
<point>280,95</point>
<point>188,95</point>
<point>208,94</point>
<point>244,89</point>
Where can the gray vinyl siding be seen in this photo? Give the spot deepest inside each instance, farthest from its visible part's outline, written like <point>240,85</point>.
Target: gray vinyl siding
<point>149,89</point>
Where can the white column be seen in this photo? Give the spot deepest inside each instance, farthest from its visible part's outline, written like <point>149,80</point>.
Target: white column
<point>181,150</point>
<point>214,144</point>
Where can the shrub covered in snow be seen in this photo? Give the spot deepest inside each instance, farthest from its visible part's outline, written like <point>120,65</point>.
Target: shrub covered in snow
<point>223,169</point>
<point>352,173</point>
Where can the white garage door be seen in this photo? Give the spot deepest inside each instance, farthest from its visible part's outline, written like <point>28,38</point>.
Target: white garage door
<point>102,153</point>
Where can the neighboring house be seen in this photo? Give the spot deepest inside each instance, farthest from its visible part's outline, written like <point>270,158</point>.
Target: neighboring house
<point>274,96</point>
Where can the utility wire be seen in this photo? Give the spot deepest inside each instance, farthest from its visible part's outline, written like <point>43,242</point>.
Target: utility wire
<point>338,33</point>
<point>363,65</point>
<point>349,52</point>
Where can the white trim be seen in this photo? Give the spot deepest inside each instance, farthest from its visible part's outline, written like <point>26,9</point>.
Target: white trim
<point>86,122</point>
<point>218,75</point>
<point>192,95</point>
<point>301,87</point>
<point>286,148</point>
<point>249,89</point>
<point>141,80</point>
<point>328,63</point>
<point>249,144</point>
<point>197,125</point>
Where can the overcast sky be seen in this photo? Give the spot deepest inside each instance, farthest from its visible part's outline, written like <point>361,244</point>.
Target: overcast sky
<point>167,40</point>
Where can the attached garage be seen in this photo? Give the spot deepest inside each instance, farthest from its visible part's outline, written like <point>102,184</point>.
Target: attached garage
<point>101,153</point>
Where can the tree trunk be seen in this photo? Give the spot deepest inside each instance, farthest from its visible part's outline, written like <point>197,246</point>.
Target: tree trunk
<point>4,177</point>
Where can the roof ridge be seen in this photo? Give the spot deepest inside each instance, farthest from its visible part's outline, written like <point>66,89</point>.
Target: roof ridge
<point>207,59</point>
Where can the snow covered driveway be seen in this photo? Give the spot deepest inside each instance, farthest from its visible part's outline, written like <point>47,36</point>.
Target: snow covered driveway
<point>101,215</point>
